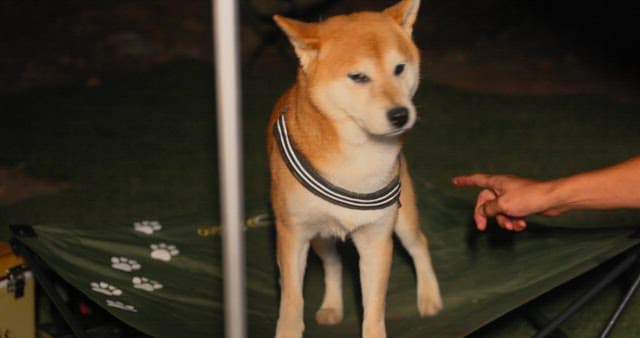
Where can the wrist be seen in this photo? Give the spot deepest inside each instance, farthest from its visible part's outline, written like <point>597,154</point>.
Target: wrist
<point>559,194</point>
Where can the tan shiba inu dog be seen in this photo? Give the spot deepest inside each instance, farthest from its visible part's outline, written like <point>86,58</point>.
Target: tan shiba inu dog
<point>336,163</point>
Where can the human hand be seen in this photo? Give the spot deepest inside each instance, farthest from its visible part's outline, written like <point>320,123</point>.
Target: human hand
<point>509,199</point>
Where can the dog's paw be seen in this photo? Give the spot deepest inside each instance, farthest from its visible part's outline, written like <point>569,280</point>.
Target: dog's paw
<point>329,316</point>
<point>429,306</point>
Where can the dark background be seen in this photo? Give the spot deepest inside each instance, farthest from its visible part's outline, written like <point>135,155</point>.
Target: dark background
<point>525,46</point>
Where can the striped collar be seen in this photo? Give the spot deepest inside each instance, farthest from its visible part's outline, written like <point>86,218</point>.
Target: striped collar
<point>312,181</point>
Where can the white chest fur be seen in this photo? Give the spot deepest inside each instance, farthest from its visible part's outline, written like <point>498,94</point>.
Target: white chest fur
<point>366,163</point>
<point>320,217</point>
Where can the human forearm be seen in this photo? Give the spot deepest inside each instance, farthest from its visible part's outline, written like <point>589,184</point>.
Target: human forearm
<point>510,198</point>
<point>613,187</point>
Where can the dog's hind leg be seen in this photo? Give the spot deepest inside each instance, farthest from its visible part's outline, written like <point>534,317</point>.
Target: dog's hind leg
<point>375,245</point>
<point>292,249</point>
<point>408,230</point>
<point>330,312</point>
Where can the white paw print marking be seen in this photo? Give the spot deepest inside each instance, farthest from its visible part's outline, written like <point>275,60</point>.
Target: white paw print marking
<point>147,227</point>
<point>124,264</point>
<point>105,289</point>
<point>145,284</point>
<point>120,305</point>
<point>163,251</point>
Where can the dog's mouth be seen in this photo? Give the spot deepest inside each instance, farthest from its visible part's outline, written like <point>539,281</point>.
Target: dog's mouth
<point>395,132</point>
<point>390,134</point>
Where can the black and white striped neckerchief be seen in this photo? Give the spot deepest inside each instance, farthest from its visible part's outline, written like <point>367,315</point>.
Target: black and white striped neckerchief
<point>310,179</point>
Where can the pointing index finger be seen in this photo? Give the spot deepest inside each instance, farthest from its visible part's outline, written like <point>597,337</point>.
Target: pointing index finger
<point>478,180</point>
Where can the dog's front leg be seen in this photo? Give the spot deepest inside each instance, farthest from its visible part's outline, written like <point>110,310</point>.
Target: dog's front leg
<point>375,248</point>
<point>408,230</point>
<point>292,250</point>
<point>330,312</point>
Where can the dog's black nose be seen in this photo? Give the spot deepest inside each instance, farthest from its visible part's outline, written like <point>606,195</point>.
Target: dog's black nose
<point>398,116</point>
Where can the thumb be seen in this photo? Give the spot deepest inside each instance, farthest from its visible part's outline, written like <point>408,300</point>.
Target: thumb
<point>480,216</point>
<point>492,208</point>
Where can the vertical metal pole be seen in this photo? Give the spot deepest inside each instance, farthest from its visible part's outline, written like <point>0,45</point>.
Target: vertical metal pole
<point>225,32</point>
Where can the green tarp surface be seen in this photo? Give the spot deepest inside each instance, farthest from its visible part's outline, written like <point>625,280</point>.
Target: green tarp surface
<point>164,276</point>
<point>141,151</point>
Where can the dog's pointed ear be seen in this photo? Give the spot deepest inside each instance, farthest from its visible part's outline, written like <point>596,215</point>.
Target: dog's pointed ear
<point>303,37</point>
<point>404,13</point>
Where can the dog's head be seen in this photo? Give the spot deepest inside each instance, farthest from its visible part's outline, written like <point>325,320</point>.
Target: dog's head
<point>363,66</point>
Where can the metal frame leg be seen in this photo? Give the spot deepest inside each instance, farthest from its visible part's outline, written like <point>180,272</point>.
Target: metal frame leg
<point>621,267</point>
<point>623,304</point>
<point>539,320</point>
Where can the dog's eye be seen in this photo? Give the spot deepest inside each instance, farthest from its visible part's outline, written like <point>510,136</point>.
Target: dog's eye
<point>399,69</point>
<point>359,77</point>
